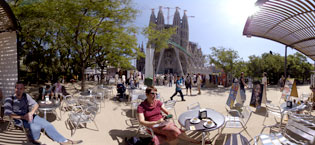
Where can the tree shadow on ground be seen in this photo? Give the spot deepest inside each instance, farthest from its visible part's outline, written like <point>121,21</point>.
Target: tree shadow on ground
<point>262,111</point>
<point>128,113</point>
<point>227,139</point>
<point>120,135</point>
<point>218,90</point>
<point>50,117</point>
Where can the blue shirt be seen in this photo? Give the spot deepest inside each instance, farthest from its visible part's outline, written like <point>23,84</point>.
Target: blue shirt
<point>178,85</point>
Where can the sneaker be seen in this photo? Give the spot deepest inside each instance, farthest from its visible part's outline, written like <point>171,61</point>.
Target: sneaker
<point>183,100</point>
<point>71,142</point>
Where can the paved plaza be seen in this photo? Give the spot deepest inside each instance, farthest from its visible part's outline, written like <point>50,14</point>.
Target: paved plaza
<point>113,119</point>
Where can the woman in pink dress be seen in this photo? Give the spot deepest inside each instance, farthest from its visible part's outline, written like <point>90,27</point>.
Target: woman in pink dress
<point>149,115</point>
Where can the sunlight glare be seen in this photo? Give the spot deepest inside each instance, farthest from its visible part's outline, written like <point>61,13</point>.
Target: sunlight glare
<point>239,10</point>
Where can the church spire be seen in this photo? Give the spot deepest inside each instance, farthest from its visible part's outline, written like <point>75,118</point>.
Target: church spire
<point>176,20</point>
<point>152,18</point>
<point>176,23</point>
<point>184,31</point>
<point>160,18</point>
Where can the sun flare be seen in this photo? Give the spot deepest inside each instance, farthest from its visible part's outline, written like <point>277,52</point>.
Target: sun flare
<point>239,10</point>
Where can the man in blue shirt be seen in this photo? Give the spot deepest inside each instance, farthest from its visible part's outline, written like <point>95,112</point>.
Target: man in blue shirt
<point>178,89</point>
<point>21,107</point>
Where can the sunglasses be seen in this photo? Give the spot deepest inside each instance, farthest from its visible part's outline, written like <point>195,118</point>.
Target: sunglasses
<point>153,93</point>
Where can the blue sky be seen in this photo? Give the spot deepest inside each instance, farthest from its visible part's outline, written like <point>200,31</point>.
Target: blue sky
<point>217,23</point>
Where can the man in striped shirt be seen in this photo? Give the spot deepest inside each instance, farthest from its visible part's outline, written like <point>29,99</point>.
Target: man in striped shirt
<point>21,107</point>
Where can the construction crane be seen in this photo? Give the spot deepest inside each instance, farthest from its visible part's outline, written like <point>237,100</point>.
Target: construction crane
<point>168,13</point>
<point>189,16</point>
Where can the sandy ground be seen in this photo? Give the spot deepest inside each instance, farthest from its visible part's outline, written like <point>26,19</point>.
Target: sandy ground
<point>114,118</point>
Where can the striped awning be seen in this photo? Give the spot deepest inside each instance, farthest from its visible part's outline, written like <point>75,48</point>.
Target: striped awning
<point>7,19</point>
<point>290,22</point>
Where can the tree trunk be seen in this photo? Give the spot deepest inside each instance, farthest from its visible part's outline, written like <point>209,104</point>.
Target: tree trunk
<point>102,77</point>
<point>83,78</point>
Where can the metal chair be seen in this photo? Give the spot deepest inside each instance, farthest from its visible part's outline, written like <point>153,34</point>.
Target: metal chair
<point>307,120</point>
<point>68,102</point>
<point>193,106</point>
<point>82,116</point>
<point>274,111</point>
<point>239,120</point>
<point>234,139</point>
<point>170,104</point>
<point>134,103</point>
<point>294,133</point>
<point>12,123</point>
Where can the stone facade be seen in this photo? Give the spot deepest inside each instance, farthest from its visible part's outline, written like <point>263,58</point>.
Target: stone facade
<point>182,56</point>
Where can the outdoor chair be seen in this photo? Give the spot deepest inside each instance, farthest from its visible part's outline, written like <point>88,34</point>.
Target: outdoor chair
<point>239,120</point>
<point>307,120</point>
<point>235,139</point>
<point>68,102</point>
<point>275,111</point>
<point>13,124</point>
<point>294,133</point>
<point>193,106</point>
<point>304,97</point>
<point>80,116</point>
<point>170,104</point>
<point>134,103</point>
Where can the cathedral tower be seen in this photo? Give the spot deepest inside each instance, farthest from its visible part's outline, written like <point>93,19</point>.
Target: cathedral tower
<point>160,19</point>
<point>176,23</point>
<point>152,18</point>
<point>184,31</point>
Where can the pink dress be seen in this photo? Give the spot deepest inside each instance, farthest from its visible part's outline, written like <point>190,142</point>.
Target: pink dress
<point>168,132</point>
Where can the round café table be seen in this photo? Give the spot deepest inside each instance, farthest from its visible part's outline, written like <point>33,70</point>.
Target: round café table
<point>88,94</point>
<point>45,107</point>
<point>294,108</point>
<point>215,116</point>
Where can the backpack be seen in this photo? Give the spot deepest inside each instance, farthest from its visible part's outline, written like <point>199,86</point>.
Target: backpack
<point>139,141</point>
<point>188,80</point>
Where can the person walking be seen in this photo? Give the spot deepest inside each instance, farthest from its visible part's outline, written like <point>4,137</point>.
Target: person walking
<point>188,84</point>
<point>242,87</point>
<point>178,89</point>
<point>199,82</point>
<point>171,78</point>
<point>282,81</point>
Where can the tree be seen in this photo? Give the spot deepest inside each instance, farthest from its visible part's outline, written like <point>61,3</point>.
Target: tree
<point>223,58</point>
<point>158,38</point>
<point>68,35</point>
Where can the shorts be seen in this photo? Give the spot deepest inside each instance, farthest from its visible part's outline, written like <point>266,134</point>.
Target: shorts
<point>188,86</point>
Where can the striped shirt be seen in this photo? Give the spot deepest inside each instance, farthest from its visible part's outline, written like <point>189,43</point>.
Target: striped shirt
<point>18,106</point>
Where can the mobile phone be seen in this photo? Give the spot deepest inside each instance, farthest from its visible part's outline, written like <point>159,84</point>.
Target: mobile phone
<point>168,116</point>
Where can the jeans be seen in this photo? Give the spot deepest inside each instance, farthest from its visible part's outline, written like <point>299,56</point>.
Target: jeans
<point>37,124</point>
<point>180,92</point>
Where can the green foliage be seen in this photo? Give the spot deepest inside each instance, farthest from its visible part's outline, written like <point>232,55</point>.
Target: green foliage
<point>224,58</point>
<point>272,64</point>
<point>64,37</point>
<point>158,38</point>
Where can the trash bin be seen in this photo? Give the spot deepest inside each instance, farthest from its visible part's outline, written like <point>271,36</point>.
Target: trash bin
<point>148,82</point>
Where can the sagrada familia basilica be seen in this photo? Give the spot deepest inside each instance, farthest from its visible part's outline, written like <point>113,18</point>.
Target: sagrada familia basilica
<point>182,56</point>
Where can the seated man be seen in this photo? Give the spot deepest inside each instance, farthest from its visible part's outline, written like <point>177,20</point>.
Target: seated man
<point>149,114</point>
<point>47,92</point>
<point>17,107</point>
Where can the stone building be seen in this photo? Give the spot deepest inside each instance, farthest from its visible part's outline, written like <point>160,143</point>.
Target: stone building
<point>182,56</point>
